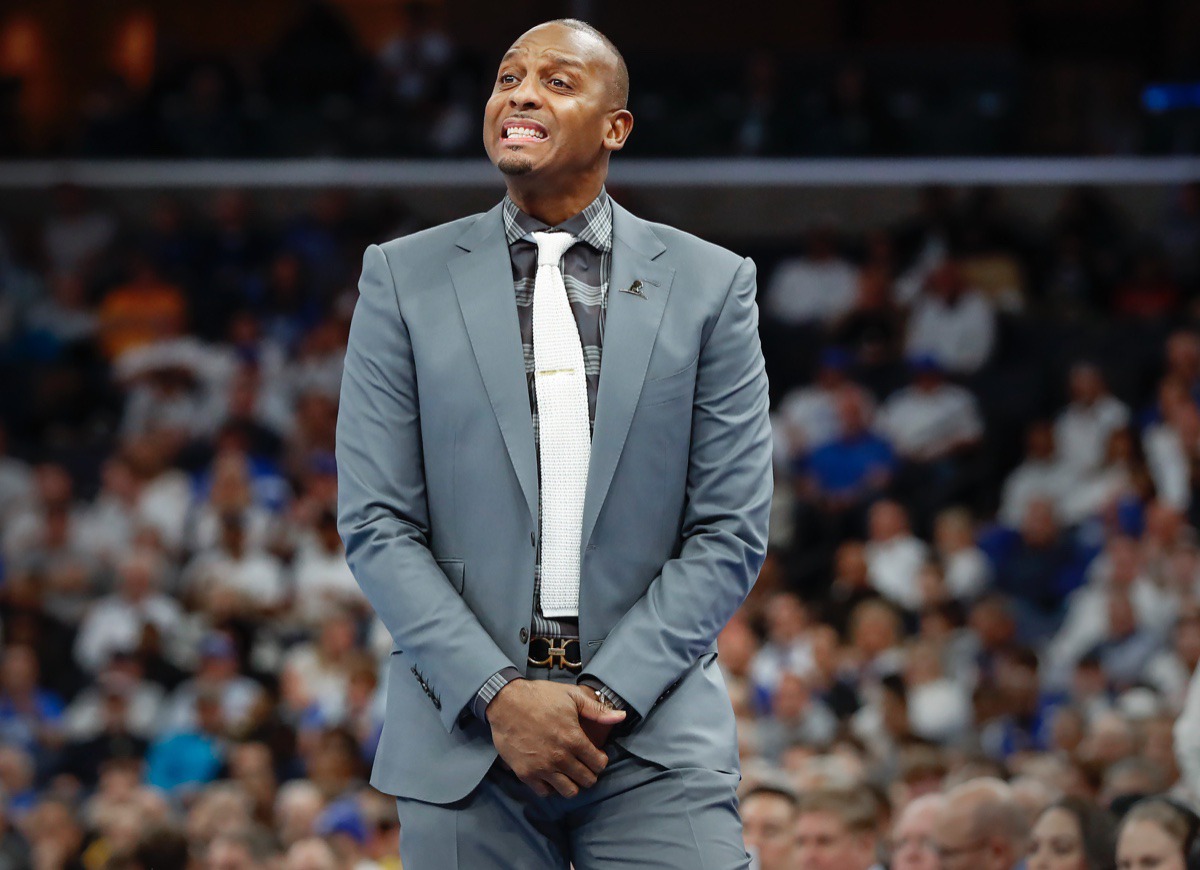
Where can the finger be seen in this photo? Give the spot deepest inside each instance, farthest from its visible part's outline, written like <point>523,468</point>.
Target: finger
<point>588,753</point>
<point>578,772</point>
<point>540,788</point>
<point>562,784</point>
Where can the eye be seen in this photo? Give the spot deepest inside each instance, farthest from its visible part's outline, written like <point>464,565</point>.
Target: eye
<point>560,83</point>
<point>507,78</point>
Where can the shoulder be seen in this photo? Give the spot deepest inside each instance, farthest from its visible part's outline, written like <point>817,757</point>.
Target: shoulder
<point>429,241</point>
<point>706,254</point>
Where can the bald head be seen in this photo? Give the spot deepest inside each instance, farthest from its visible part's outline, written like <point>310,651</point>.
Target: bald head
<point>912,837</point>
<point>983,815</point>
<point>619,85</point>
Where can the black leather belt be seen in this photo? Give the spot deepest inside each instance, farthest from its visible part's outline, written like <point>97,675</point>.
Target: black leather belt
<point>555,652</point>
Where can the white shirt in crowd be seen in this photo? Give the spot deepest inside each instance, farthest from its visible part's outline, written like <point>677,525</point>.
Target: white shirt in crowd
<point>1081,432</point>
<point>115,623</point>
<point>922,423</point>
<point>1167,458</point>
<point>959,336</point>
<point>256,575</point>
<point>894,566</point>
<point>322,578</point>
<point>1033,480</point>
<point>967,572</point>
<point>811,291</point>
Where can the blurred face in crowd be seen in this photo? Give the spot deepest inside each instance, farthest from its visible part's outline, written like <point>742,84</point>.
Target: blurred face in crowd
<point>228,855</point>
<point>1086,384</point>
<point>912,838</point>
<point>823,842</point>
<point>1057,842</point>
<point>19,671</point>
<point>555,113</point>
<point>791,697</point>
<point>1146,845</point>
<point>851,566</point>
<point>786,618</point>
<point>768,824</point>
<point>887,520</point>
<point>1039,441</point>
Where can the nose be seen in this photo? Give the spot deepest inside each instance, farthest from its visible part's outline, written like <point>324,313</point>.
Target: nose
<point>525,94</point>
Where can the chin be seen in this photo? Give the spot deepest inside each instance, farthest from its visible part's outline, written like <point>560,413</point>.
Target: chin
<point>512,164</point>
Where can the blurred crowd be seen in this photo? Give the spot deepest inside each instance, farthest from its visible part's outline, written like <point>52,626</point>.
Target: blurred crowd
<point>315,89</point>
<point>979,604</point>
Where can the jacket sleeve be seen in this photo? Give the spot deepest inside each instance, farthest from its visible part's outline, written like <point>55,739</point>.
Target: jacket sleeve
<point>382,510</point>
<point>729,488</point>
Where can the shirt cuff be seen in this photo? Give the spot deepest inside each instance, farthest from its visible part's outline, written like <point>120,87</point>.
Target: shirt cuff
<point>491,689</point>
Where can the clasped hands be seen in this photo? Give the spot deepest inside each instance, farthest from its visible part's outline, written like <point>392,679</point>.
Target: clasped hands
<point>551,735</point>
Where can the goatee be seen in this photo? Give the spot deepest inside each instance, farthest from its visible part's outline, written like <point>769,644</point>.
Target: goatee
<point>514,165</point>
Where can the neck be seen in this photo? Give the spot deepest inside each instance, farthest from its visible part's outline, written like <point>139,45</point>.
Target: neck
<point>552,206</point>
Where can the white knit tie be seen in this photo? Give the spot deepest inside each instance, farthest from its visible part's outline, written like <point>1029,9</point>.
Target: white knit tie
<point>564,436</point>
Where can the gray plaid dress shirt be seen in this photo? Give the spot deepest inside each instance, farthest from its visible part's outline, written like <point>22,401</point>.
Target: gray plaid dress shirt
<point>586,267</point>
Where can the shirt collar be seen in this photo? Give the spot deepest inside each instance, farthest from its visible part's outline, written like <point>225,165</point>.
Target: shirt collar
<point>593,225</point>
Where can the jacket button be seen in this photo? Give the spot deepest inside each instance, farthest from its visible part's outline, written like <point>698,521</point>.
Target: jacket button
<point>524,635</point>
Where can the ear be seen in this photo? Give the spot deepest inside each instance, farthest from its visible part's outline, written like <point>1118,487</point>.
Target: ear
<point>620,123</point>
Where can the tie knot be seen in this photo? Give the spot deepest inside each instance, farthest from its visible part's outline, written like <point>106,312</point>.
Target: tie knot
<point>551,247</point>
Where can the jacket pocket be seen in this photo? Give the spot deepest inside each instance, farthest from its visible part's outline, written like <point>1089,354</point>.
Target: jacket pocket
<point>454,571</point>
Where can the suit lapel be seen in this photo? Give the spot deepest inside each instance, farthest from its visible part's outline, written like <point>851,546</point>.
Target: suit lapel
<point>483,283</point>
<point>631,324</point>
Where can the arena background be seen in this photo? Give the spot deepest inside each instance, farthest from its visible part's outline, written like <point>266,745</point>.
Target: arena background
<point>994,571</point>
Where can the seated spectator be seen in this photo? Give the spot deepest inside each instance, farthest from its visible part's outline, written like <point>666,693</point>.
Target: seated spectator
<point>1082,429</point>
<point>321,576</point>
<point>807,417</point>
<point>234,578</point>
<point>216,677</point>
<point>146,309</point>
<point>837,829</point>
<point>1075,830</point>
<point>1120,484</point>
<point>1039,570</point>
<point>981,826</point>
<point>854,466</point>
<point>1172,449</point>
<point>795,717</point>
<point>1022,711</point>
<point>934,427</point>
<point>298,804</point>
<point>1170,671</point>
<point>115,622</point>
<point>30,715</point>
<point>967,571</point>
<point>191,751</point>
<point>1157,833</point>
<point>786,646</point>
<point>123,679</point>
<point>112,738</point>
<point>873,331</point>
<point>951,322</point>
<point>1040,475</point>
<point>894,556</point>
<point>323,668</point>
<point>768,826</point>
<point>912,843</point>
<point>938,709</point>
<point>816,287</point>
<point>851,585</point>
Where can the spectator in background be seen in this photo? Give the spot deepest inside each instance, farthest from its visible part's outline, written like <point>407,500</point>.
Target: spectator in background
<point>115,622</point>
<point>912,844</point>
<point>216,677</point>
<point>894,556</point>
<point>1082,429</point>
<point>796,717</point>
<point>981,827</point>
<point>1072,834</point>
<point>837,830</point>
<point>807,417</point>
<point>967,571</point>
<point>951,322</point>
<point>816,288</point>
<point>1041,475</point>
<point>30,715</point>
<point>146,309</point>
<point>1172,447</point>
<point>934,427</point>
<point>1157,833</point>
<point>768,826</point>
<point>1039,570</point>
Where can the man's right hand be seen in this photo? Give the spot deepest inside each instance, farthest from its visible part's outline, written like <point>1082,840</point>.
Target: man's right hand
<point>536,729</point>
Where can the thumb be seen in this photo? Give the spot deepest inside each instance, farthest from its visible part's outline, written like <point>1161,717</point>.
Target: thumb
<point>591,708</point>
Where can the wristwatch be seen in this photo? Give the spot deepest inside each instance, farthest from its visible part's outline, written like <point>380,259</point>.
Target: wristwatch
<point>603,700</point>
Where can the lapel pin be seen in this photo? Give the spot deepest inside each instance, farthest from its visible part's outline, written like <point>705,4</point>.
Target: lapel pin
<point>635,288</point>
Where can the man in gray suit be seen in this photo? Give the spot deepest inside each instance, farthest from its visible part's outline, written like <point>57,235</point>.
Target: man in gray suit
<point>548,702</point>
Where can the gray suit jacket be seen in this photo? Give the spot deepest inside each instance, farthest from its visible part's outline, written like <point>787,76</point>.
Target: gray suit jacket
<point>437,489</point>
